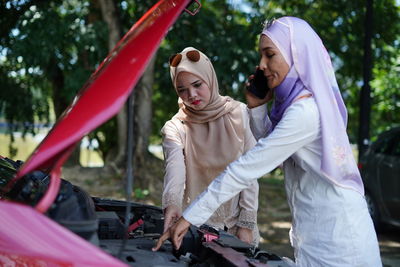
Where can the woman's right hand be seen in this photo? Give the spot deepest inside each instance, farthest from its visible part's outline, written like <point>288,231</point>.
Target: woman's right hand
<point>171,214</point>
<point>176,233</point>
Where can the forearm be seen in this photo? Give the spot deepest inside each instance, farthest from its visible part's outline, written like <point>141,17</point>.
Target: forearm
<point>175,172</point>
<point>299,127</point>
<point>248,204</point>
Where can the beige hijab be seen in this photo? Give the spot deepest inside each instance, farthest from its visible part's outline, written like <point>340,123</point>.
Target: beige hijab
<point>214,135</point>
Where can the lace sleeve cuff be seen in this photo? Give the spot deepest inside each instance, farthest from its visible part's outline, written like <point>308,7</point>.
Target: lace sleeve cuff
<point>168,200</point>
<point>247,219</point>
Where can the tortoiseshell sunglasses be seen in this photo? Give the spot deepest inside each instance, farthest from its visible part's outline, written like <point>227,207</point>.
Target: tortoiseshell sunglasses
<point>192,55</point>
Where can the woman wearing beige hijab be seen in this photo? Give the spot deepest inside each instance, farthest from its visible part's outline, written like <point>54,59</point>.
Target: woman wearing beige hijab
<point>207,133</point>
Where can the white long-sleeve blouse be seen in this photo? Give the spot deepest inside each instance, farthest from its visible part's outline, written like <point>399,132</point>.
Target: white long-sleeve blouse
<point>331,225</point>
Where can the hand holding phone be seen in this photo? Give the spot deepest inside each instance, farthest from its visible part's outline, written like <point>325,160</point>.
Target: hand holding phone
<point>259,84</point>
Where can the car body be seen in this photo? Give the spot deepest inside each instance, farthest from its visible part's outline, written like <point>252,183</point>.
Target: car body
<point>119,233</point>
<point>380,170</point>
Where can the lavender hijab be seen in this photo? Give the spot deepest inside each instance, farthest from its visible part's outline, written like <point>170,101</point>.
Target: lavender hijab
<point>311,69</point>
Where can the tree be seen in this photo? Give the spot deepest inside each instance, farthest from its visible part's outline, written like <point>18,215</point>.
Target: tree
<point>147,168</point>
<point>49,49</point>
<point>340,25</point>
<point>72,42</point>
<point>226,35</point>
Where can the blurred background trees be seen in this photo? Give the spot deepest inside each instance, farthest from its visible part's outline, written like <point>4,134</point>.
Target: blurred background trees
<point>48,49</point>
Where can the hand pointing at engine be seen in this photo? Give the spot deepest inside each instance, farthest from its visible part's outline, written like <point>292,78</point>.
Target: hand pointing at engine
<point>176,232</point>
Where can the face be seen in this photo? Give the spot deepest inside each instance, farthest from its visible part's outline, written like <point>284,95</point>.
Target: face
<point>194,92</point>
<point>272,62</point>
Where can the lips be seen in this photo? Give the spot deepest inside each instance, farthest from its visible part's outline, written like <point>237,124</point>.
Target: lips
<point>196,102</point>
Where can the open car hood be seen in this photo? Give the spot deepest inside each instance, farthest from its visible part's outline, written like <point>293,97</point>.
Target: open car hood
<point>29,237</point>
<point>103,95</point>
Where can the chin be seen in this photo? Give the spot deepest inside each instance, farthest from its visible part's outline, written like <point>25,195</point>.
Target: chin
<point>197,107</point>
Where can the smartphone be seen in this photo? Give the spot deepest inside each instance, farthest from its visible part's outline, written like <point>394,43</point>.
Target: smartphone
<point>259,85</point>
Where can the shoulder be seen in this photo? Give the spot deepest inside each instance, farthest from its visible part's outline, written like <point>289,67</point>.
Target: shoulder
<point>305,104</point>
<point>239,106</point>
<point>242,106</point>
<point>242,111</point>
<point>172,126</point>
<point>303,113</point>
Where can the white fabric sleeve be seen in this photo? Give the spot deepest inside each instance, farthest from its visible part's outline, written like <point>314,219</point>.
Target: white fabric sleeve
<point>248,199</point>
<point>175,169</point>
<point>259,121</point>
<point>298,127</point>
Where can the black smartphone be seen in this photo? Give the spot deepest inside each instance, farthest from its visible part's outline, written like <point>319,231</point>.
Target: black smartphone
<point>259,85</point>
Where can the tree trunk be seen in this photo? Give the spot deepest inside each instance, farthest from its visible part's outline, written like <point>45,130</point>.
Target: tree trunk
<point>56,77</point>
<point>109,11</point>
<point>147,168</point>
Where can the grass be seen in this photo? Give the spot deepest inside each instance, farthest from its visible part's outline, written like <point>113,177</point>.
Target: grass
<point>25,146</point>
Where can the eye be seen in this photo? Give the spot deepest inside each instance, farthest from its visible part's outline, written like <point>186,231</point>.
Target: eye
<point>270,55</point>
<point>197,85</point>
<point>182,90</point>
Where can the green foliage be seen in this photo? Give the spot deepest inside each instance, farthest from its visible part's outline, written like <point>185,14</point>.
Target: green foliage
<point>226,35</point>
<point>141,193</point>
<point>49,48</point>
<point>386,94</point>
<point>50,36</point>
<point>340,25</point>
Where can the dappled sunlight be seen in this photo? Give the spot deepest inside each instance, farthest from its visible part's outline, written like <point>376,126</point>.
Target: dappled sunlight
<point>389,245</point>
<point>268,243</point>
<point>389,241</point>
<point>281,225</point>
<point>274,219</point>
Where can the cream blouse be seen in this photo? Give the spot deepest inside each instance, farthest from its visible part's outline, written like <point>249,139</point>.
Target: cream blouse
<point>240,211</point>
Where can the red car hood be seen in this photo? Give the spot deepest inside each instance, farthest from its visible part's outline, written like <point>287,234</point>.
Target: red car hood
<point>28,237</point>
<point>104,94</point>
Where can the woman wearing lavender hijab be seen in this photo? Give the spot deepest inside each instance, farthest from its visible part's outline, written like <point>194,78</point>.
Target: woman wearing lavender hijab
<point>306,130</point>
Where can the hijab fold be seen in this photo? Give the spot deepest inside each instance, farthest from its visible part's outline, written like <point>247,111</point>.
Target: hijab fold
<point>285,93</point>
<point>305,53</point>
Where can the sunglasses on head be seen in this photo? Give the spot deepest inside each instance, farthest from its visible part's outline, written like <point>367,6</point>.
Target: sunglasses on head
<point>192,55</point>
<point>268,23</point>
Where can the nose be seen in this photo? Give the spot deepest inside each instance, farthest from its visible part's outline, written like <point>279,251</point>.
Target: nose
<point>263,64</point>
<point>192,93</point>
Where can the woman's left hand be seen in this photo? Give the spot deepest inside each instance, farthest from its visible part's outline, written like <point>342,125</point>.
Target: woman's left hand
<point>245,234</point>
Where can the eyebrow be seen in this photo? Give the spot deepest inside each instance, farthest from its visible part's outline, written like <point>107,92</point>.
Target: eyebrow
<point>179,87</point>
<point>266,48</point>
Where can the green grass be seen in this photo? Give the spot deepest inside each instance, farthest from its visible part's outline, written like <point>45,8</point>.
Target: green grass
<point>25,146</point>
